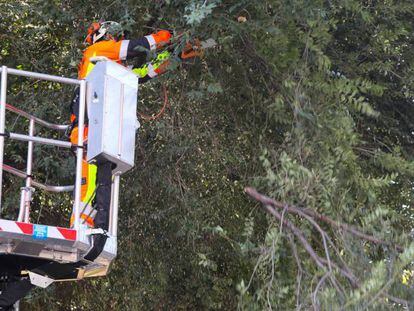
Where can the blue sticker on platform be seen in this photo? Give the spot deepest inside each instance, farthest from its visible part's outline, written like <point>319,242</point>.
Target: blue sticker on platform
<point>39,232</point>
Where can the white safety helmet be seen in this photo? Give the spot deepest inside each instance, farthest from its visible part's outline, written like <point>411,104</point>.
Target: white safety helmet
<point>108,30</point>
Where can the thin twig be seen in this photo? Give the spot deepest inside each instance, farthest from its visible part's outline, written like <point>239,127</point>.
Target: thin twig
<point>269,287</point>
<point>315,293</point>
<point>300,271</point>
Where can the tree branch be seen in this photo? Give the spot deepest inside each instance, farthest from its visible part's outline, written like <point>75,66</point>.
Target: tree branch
<point>300,211</point>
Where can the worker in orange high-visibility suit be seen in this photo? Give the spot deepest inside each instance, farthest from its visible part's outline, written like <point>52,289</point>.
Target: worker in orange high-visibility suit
<point>106,39</point>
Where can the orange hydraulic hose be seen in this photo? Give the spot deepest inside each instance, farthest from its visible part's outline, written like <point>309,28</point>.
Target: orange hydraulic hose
<point>161,112</point>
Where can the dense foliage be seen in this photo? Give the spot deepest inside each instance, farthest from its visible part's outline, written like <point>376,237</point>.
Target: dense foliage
<point>309,101</point>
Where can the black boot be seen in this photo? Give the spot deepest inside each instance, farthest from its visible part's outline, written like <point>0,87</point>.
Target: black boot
<point>103,195</point>
<point>102,206</point>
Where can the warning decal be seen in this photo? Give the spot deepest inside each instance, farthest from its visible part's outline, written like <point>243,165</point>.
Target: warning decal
<point>39,232</point>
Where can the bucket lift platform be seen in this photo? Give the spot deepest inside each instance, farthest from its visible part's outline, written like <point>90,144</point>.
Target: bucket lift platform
<point>110,96</point>
<point>61,245</point>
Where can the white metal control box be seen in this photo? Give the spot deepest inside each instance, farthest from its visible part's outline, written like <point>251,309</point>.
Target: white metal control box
<point>112,92</point>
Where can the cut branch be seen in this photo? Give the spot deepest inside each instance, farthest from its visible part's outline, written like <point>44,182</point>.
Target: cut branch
<point>300,211</point>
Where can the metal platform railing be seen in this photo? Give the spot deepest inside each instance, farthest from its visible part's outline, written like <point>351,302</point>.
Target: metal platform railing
<point>26,192</point>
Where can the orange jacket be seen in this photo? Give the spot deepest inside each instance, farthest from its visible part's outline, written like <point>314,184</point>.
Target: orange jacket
<point>114,50</point>
<point>118,50</point>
